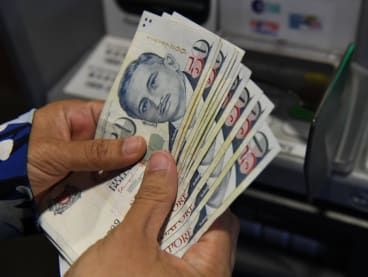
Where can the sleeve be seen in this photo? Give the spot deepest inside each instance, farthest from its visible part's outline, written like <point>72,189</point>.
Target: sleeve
<point>17,207</point>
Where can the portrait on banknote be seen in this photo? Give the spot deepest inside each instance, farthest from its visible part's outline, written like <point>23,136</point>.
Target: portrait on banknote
<point>153,89</point>
<point>153,93</point>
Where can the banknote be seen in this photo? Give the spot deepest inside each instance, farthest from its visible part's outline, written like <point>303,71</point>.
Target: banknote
<point>243,100</point>
<point>248,161</point>
<point>201,123</point>
<point>246,116</point>
<point>192,142</point>
<point>161,75</point>
<point>201,182</point>
<point>231,107</point>
<point>222,74</point>
<point>80,216</point>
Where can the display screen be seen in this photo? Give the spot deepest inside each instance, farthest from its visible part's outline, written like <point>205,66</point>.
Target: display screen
<point>196,10</point>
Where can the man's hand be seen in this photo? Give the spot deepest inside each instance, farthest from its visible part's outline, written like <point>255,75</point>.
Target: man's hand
<point>61,141</point>
<point>132,248</point>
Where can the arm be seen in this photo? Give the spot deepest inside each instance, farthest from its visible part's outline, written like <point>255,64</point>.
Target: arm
<point>16,204</point>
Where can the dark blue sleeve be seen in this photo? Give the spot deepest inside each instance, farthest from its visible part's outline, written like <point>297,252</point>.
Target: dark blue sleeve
<point>17,207</point>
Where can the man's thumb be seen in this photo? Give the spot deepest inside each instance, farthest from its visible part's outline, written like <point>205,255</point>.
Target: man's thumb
<point>155,197</point>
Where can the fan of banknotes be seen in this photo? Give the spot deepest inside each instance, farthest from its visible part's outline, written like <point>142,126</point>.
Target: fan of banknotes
<point>185,90</point>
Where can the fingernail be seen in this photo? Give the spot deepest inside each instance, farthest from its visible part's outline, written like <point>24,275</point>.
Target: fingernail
<point>131,145</point>
<point>158,161</point>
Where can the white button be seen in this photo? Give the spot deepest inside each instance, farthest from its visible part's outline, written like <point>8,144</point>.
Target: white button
<point>3,126</point>
<point>6,147</point>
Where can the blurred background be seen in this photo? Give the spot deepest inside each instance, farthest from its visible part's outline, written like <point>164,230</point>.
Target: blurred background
<point>13,102</point>
<point>306,215</point>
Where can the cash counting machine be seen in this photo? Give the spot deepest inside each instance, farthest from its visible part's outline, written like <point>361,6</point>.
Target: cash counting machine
<point>306,215</point>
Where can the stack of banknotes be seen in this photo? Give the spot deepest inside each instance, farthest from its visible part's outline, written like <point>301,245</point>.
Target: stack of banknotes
<point>185,90</point>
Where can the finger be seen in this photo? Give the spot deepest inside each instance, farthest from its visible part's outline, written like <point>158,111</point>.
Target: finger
<point>82,118</point>
<point>227,228</point>
<point>75,119</point>
<point>155,197</point>
<point>217,246</point>
<point>101,154</point>
<point>96,107</point>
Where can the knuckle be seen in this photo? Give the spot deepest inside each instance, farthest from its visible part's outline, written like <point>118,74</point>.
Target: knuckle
<point>235,222</point>
<point>153,190</point>
<point>98,151</point>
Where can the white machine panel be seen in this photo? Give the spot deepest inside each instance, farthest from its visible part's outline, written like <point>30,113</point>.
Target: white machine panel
<point>299,28</point>
<point>97,74</point>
